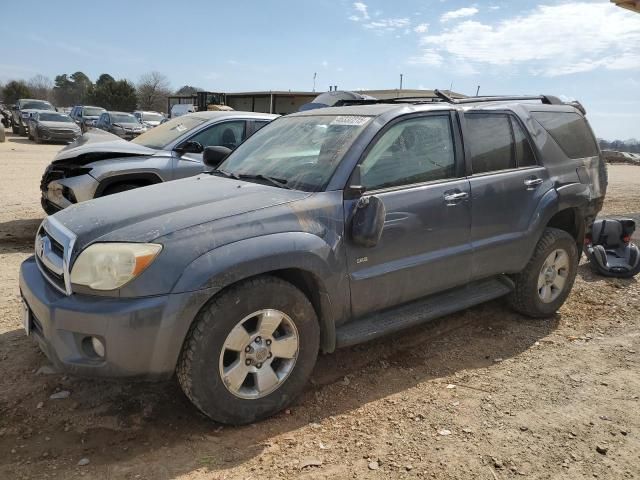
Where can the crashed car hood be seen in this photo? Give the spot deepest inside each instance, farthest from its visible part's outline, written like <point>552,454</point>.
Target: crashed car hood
<point>144,214</point>
<point>99,145</point>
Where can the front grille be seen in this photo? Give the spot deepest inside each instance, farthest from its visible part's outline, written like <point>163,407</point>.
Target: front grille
<point>54,244</point>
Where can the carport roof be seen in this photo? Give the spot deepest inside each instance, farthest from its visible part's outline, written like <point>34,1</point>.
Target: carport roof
<point>633,5</point>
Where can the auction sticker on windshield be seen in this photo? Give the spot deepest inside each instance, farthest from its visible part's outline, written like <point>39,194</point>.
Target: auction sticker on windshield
<point>355,120</point>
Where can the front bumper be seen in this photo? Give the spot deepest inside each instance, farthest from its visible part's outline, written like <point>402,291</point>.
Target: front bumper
<point>52,136</point>
<point>63,192</point>
<point>142,336</point>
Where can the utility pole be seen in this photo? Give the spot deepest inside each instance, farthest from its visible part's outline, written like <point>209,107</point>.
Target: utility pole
<point>401,81</point>
<point>315,74</point>
<point>478,90</point>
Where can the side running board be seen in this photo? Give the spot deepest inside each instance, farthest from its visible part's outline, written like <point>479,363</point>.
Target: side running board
<point>420,311</point>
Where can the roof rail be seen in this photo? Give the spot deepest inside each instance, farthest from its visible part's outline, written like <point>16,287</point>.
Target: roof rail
<point>546,99</point>
<point>373,101</point>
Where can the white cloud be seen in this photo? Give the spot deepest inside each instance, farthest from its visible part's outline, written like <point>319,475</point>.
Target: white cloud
<point>387,24</point>
<point>325,64</point>
<point>379,25</point>
<point>460,13</point>
<point>422,28</point>
<point>494,7</point>
<point>361,8</point>
<point>428,57</point>
<point>549,40</point>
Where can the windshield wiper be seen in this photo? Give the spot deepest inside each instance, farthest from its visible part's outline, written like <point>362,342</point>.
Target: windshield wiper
<point>278,182</point>
<point>224,174</point>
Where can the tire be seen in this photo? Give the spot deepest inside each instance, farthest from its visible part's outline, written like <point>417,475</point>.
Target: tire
<point>14,130</point>
<point>119,187</point>
<point>22,130</point>
<point>36,138</point>
<point>527,297</point>
<point>202,360</point>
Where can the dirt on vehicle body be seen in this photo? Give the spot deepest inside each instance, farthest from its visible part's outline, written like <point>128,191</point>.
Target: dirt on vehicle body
<point>479,394</point>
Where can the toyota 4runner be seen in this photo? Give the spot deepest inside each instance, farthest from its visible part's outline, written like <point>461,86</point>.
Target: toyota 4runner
<point>324,229</point>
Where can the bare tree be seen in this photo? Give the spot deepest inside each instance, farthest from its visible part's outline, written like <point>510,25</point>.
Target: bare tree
<point>152,90</point>
<point>41,87</point>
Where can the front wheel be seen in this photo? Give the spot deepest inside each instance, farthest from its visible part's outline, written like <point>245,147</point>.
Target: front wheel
<point>250,351</point>
<point>545,283</point>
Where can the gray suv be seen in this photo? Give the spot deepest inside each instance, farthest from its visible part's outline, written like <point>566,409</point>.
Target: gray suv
<point>324,229</point>
<point>100,164</point>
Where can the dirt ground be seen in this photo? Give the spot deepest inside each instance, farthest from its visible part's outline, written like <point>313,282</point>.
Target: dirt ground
<point>484,394</point>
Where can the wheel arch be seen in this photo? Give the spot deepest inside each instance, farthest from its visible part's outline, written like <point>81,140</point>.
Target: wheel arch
<point>301,259</point>
<point>142,179</point>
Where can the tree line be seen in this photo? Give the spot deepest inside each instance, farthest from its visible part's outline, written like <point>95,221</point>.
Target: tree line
<point>66,90</point>
<point>631,146</point>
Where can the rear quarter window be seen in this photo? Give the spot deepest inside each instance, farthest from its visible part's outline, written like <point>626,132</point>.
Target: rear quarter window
<point>570,131</point>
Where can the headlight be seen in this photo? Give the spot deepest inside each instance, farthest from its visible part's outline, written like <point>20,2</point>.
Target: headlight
<point>107,266</point>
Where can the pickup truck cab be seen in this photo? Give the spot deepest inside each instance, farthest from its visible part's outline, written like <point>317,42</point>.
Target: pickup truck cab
<point>324,229</point>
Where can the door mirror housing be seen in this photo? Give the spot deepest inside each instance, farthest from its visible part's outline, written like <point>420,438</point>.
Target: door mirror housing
<point>214,156</point>
<point>190,147</point>
<point>368,221</point>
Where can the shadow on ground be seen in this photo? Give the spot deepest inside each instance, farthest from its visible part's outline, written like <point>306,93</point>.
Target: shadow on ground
<point>116,422</point>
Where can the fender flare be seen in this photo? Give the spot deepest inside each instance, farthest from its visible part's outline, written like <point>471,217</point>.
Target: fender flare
<point>226,265</point>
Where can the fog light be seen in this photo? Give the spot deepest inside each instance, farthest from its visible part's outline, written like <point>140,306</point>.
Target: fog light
<point>98,346</point>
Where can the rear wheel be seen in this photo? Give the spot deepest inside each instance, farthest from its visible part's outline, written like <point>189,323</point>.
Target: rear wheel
<point>250,351</point>
<point>36,137</point>
<point>545,283</point>
<point>14,129</point>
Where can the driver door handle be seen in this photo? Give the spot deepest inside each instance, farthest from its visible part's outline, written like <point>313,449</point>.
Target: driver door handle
<point>452,198</point>
<point>532,182</point>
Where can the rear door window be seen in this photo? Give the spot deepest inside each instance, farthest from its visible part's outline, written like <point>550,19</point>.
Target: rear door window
<point>523,150</point>
<point>570,131</point>
<point>490,141</point>
<point>497,142</point>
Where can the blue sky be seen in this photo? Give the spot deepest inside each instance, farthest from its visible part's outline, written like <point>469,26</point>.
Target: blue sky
<point>589,50</point>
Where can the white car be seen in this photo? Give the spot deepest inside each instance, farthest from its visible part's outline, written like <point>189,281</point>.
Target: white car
<point>149,119</point>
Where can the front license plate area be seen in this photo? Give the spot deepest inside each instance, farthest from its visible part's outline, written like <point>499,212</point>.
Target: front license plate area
<point>26,317</point>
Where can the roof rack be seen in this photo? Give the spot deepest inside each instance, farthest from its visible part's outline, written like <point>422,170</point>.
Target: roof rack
<point>374,101</point>
<point>546,99</point>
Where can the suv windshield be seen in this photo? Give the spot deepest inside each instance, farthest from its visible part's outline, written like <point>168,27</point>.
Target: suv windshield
<point>152,117</point>
<point>36,105</point>
<point>299,152</point>
<point>54,117</point>
<point>92,111</point>
<point>123,118</point>
<point>162,135</point>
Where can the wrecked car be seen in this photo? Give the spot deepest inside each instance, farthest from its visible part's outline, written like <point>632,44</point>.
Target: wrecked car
<point>100,164</point>
<point>324,229</point>
<point>21,112</point>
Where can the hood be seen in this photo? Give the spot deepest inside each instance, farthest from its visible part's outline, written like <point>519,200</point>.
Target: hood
<point>99,145</point>
<point>144,214</point>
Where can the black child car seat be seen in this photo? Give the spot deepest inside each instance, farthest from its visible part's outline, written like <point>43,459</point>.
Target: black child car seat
<point>610,250</point>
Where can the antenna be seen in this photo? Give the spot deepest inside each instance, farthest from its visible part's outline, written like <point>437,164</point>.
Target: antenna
<point>478,90</point>
<point>315,74</point>
<point>401,75</point>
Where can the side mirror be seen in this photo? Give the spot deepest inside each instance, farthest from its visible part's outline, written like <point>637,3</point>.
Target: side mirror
<point>368,221</point>
<point>214,156</point>
<point>190,147</point>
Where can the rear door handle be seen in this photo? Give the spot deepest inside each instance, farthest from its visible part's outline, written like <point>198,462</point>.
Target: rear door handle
<point>453,198</point>
<point>532,182</point>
